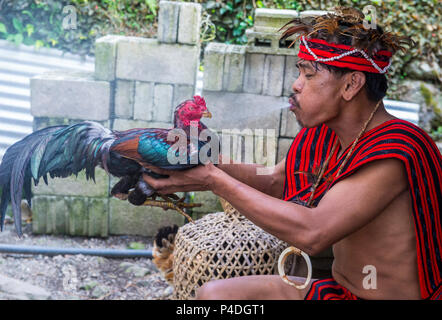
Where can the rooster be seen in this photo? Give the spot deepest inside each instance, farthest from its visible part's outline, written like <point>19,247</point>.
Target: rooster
<point>162,252</point>
<point>64,150</point>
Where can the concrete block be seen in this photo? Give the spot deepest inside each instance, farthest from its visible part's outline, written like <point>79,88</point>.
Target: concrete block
<point>273,75</point>
<point>168,21</point>
<point>180,94</point>
<point>125,124</point>
<point>79,216</point>
<point>243,110</point>
<point>148,60</point>
<point>283,147</point>
<point>254,73</point>
<point>75,186</point>
<point>210,202</point>
<point>124,98</point>
<point>214,66</point>
<point>143,105</point>
<point>43,122</point>
<point>189,23</point>
<point>162,102</point>
<point>250,146</point>
<point>271,20</point>
<point>289,125</point>
<point>74,95</point>
<point>56,216</point>
<point>234,68</point>
<point>39,211</point>
<point>105,57</point>
<point>98,217</point>
<point>125,218</point>
<point>270,43</point>
<point>291,73</point>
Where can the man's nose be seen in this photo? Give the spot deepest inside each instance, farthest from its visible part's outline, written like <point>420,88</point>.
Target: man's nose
<point>297,86</point>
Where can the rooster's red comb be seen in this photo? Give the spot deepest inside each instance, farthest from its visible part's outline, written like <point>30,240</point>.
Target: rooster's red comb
<point>199,101</point>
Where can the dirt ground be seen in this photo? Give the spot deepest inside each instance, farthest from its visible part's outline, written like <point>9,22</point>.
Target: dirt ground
<point>81,276</point>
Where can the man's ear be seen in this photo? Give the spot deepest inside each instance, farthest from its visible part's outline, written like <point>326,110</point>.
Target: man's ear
<point>352,84</point>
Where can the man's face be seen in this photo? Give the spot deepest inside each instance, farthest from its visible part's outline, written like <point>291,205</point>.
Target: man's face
<point>316,95</point>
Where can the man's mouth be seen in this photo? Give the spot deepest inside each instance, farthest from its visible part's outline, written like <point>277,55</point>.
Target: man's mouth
<point>293,103</point>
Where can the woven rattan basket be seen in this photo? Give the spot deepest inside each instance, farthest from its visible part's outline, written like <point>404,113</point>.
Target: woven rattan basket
<point>221,245</point>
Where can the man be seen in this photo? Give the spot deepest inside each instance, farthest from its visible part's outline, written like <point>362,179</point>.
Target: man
<point>377,195</point>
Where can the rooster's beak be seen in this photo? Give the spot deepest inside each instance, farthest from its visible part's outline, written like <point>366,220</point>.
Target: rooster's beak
<point>207,114</point>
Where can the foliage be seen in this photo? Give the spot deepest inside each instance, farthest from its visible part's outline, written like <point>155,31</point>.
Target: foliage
<point>231,19</point>
<point>40,22</point>
<point>136,246</point>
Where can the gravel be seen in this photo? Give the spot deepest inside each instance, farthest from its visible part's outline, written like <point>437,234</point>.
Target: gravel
<point>84,277</point>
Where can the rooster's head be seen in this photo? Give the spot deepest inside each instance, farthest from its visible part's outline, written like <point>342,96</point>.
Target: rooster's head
<point>191,111</point>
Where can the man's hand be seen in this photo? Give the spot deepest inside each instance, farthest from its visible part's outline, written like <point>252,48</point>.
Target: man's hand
<point>195,179</point>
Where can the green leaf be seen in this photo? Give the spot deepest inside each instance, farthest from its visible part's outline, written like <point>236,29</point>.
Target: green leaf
<point>136,246</point>
<point>17,25</point>
<point>29,29</point>
<point>152,4</point>
<point>18,39</point>
<point>3,28</point>
<point>28,13</point>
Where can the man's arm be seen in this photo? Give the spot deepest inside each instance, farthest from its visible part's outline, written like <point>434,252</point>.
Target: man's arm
<point>348,206</point>
<point>271,184</point>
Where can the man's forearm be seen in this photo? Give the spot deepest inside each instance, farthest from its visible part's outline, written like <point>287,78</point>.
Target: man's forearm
<point>247,173</point>
<point>287,221</point>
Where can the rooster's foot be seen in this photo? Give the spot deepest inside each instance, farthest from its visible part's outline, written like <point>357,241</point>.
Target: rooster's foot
<point>178,205</point>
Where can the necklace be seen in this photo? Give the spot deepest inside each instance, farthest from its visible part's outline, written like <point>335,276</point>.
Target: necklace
<point>324,166</point>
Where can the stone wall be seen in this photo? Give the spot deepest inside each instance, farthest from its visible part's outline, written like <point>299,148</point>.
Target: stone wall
<point>248,86</point>
<point>136,83</point>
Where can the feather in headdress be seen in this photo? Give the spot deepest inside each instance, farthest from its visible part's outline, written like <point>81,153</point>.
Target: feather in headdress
<point>345,26</point>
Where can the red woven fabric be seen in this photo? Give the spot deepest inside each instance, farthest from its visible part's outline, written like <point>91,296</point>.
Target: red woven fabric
<point>397,139</point>
<point>355,61</point>
<point>329,289</point>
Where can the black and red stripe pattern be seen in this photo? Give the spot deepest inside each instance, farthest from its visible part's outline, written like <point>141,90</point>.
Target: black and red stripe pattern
<point>393,139</point>
<point>329,289</point>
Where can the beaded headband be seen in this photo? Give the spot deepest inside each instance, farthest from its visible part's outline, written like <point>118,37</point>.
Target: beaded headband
<point>344,56</point>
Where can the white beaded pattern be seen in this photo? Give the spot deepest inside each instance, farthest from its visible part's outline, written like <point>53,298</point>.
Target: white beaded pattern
<point>345,54</point>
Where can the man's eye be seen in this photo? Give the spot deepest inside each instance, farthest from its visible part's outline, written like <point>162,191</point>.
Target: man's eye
<point>308,76</point>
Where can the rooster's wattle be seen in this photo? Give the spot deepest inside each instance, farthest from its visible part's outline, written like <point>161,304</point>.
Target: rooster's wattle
<point>64,150</point>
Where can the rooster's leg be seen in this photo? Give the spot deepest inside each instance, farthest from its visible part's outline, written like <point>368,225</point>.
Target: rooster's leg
<point>171,205</point>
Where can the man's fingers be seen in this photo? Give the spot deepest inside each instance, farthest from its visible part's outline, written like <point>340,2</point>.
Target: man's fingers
<point>157,184</point>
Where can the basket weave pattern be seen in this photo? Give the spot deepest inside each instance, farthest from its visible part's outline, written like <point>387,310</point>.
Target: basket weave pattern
<point>221,245</point>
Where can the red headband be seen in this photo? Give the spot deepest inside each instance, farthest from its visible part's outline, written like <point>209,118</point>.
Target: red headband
<point>343,56</point>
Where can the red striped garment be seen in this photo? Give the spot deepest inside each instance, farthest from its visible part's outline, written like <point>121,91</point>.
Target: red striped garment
<point>329,289</point>
<point>393,139</point>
